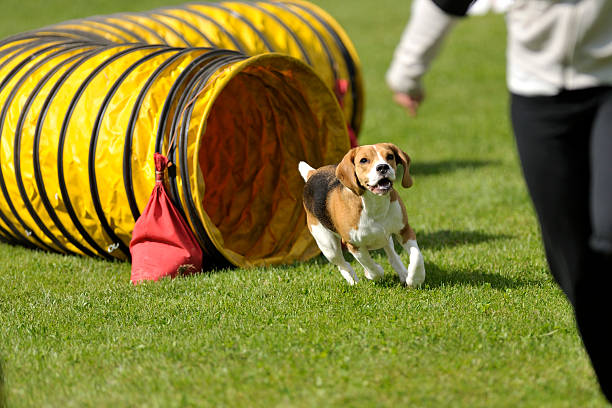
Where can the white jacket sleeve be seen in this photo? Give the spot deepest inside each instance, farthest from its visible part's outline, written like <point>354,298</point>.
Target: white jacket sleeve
<point>419,44</point>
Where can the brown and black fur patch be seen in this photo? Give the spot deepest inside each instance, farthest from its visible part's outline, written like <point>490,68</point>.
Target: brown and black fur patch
<point>317,190</point>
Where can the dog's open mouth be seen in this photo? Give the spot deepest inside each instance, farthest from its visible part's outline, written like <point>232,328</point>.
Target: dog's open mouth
<point>382,187</point>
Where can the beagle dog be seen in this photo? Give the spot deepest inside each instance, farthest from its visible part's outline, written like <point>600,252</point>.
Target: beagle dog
<point>354,203</point>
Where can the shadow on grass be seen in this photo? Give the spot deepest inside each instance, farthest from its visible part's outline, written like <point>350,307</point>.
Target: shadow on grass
<point>438,277</point>
<point>448,166</point>
<point>446,238</point>
<point>429,241</point>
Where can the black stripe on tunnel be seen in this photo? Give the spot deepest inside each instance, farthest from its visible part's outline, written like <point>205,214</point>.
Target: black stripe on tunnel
<point>38,37</point>
<point>127,149</point>
<point>238,46</point>
<point>167,27</point>
<point>103,20</point>
<point>280,22</point>
<point>60,155</point>
<point>186,23</point>
<point>18,132</point>
<point>5,236</point>
<point>219,260</point>
<point>12,227</point>
<point>350,64</point>
<point>195,65</point>
<point>131,18</point>
<point>73,34</point>
<point>328,54</point>
<point>172,107</point>
<point>242,19</point>
<point>27,58</point>
<point>187,75</point>
<point>93,181</point>
<point>42,191</point>
<point>15,48</point>
<point>90,23</point>
<point>19,50</point>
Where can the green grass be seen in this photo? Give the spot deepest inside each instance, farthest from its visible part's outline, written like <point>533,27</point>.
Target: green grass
<point>488,329</point>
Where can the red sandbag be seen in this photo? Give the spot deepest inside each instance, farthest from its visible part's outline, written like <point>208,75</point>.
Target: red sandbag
<point>162,242</point>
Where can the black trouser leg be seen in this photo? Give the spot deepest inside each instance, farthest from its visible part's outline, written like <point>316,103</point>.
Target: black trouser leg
<point>601,170</point>
<point>563,142</point>
<point>593,289</point>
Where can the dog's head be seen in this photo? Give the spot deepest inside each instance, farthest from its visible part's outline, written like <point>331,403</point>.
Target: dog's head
<point>373,168</point>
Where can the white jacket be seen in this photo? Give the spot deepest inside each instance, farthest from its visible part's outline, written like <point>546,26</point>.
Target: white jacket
<point>552,45</point>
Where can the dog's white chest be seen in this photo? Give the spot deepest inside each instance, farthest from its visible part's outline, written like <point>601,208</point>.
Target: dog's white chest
<point>376,225</point>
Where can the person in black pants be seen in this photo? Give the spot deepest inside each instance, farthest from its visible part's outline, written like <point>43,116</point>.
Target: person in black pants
<point>565,146</point>
<point>560,81</point>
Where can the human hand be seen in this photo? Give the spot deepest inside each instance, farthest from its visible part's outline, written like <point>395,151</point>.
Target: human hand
<point>409,102</point>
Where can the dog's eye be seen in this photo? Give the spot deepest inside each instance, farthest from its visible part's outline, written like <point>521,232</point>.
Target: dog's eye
<point>363,161</point>
<point>390,157</point>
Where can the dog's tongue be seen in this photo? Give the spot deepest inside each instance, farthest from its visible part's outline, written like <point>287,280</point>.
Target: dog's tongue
<point>383,186</point>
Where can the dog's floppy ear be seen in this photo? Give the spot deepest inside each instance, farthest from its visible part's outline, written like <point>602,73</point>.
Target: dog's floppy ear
<point>345,172</point>
<point>403,159</point>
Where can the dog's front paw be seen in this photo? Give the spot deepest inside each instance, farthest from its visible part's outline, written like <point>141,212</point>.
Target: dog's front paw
<point>374,274</point>
<point>416,270</point>
<point>349,276</point>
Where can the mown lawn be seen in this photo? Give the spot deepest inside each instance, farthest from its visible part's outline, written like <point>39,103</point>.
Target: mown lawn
<point>488,329</point>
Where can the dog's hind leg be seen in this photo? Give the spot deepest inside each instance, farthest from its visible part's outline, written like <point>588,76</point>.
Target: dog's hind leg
<point>331,246</point>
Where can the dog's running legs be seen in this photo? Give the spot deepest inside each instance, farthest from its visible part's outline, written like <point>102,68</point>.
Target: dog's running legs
<point>371,269</point>
<point>330,245</point>
<point>416,268</point>
<point>396,261</point>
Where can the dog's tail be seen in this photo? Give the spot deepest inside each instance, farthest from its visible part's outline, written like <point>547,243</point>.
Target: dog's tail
<point>305,170</point>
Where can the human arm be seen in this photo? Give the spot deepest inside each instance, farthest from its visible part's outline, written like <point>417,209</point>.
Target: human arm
<point>429,23</point>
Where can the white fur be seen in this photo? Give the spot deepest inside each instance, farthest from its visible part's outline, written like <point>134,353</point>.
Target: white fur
<point>381,219</point>
<point>416,267</point>
<point>304,169</point>
<point>378,220</point>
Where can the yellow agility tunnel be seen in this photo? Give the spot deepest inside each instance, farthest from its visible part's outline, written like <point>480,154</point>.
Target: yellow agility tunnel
<point>293,27</point>
<point>81,118</point>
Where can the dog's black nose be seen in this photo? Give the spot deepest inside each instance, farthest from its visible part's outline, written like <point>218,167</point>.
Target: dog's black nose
<point>382,168</point>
